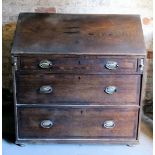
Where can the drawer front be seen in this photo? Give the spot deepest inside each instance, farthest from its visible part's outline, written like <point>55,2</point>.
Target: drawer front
<point>79,64</point>
<point>78,89</point>
<point>77,122</point>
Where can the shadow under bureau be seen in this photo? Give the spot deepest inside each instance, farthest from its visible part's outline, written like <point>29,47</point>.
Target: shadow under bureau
<point>78,78</point>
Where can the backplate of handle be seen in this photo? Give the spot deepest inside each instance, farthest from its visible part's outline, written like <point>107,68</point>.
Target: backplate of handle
<point>46,89</point>
<point>110,89</point>
<point>111,65</point>
<point>46,124</point>
<point>45,64</point>
<point>109,124</point>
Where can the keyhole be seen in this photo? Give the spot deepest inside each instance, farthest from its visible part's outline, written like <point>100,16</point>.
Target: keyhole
<point>90,34</point>
<point>79,62</point>
<point>79,77</point>
<point>81,112</point>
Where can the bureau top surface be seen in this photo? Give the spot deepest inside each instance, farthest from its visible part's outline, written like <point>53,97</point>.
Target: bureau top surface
<point>43,33</point>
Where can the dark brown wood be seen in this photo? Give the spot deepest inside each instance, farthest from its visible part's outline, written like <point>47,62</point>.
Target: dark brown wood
<point>77,123</point>
<point>79,64</point>
<point>149,54</point>
<point>78,34</point>
<point>79,47</point>
<point>78,89</point>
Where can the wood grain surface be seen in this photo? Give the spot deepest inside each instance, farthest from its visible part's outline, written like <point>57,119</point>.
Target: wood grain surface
<point>78,89</point>
<point>77,122</point>
<point>78,34</point>
<point>83,64</point>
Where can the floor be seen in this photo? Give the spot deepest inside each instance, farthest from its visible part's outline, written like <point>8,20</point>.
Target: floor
<point>144,148</point>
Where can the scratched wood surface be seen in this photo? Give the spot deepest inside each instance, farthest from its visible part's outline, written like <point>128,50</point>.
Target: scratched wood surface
<point>78,122</point>
<point>78,89</point>
<point>79,64</point>
<point>78,34</point>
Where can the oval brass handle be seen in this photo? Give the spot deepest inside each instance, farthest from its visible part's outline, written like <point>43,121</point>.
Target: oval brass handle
<point>111,65</point>
<point>46,124</point>
<point>45,64</point>
<point>109,124</point>
<point>110,90</point>
<point>45,89</point>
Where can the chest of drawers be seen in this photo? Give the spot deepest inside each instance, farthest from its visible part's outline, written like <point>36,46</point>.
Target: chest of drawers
<point>78,78</point>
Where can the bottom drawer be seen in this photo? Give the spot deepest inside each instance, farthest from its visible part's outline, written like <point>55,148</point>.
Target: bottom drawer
<point>82,123</point>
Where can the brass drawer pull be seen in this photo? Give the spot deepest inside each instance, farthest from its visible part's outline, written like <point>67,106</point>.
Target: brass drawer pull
<point>109,124</point>
<point>141,66</point>
<point>45,64</point>
<point>46,124</point>
<point>111,65</point>
<point>45,89</point>
<point>110,90</point>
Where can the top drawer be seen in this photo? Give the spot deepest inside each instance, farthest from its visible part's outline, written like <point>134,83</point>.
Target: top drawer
<point>79,64</point>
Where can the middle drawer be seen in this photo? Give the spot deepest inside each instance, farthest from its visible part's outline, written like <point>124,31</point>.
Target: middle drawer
<point>78,89</point>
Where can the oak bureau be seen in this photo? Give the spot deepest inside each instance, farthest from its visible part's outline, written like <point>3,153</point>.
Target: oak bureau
<point>78,78</point>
